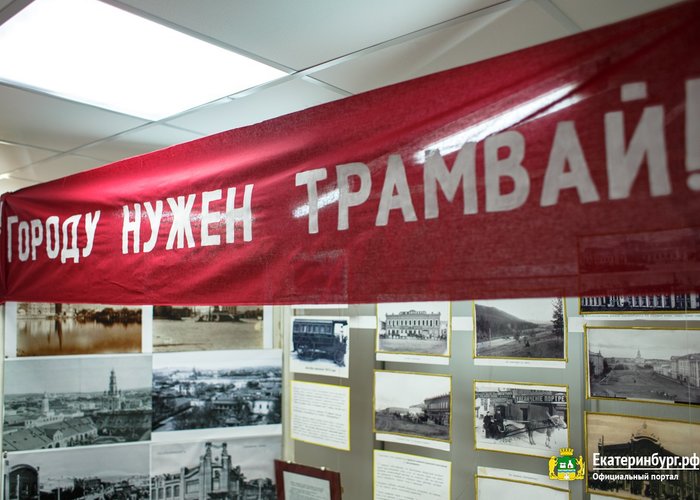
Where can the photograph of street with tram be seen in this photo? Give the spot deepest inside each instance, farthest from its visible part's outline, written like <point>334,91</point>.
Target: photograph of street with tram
<point>320,345</point>
<point>58,329</point>
<point>615,437</point>
<point>644,364</point>
<point>225,469</point>
<point>412,404</point>
<point>518,418</point>
<point>119,472</point>
<point>414,328</point>
<point>68,401</point>
<point>212,389</point>
<point>205,328</point>
<point>520,328</point>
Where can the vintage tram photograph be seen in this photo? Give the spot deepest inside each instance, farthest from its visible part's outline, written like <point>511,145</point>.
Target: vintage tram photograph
<point>414,328</point>
<point>413,404</point>
<point>520,328</point>
<point>645,364</point>
<point>520,418</point>
<point>320,345</point>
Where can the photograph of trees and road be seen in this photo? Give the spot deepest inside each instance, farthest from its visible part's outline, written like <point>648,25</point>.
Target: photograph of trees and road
<point>520,328</point>
<point>644,364</point>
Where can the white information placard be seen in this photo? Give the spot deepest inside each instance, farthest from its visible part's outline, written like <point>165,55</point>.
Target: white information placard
<point>321,414</point>
<point>301,487</point>
<point>400,476</point>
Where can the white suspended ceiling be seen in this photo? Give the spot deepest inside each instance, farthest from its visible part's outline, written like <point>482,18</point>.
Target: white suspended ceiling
<point>330,49</point>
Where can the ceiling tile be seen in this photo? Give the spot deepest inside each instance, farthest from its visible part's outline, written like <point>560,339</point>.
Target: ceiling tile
<point>55,168</point>
<point>52,123</point>
<point>593,13</point>
<point>14,156</point>
<point>9,185</point>
<point>304,33</point>
<point>474,40</point>
<point>141,141</point>
<point>271,102</point>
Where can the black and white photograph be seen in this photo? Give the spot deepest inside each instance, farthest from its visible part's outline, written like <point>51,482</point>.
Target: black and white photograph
<point>613,436</point>
<point>215,389</point>
<point>644,364</point>
<point>63,329</point>
<point>528,329</point>
<point>207,328</point>
<point>71,401</point>
<point>105,472</point>
<point>418,328</point>
<point>320,345</point>
<point>226,468</point>
<point>413,404</point>
<point>520,418</point>
<point>678,303</point>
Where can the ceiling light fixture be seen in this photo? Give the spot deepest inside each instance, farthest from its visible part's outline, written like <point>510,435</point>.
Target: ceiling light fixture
<point>94,53</point>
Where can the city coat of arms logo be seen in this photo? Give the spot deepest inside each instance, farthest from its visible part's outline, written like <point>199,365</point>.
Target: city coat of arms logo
<point>566,467</point>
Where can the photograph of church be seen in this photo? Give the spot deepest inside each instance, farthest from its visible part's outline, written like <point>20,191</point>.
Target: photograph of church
<point>231,469</point>
<point>58,403</point>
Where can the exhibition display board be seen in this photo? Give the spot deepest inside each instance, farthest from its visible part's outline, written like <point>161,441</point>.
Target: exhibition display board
<point>485,280</point>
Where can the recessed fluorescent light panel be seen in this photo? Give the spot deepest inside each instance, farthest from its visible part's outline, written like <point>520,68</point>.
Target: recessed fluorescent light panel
<point>94,53</point>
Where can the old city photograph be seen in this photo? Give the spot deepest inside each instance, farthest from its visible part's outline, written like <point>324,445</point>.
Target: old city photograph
<point>64,402</point>
<point>206,328</point>
<point>414,328</point>
<point>614,436</point>
<point>422,411</point>
<point>678,303</point>
<point>526,419</point>
<point>241,468</point>
<point>520,328</point>
<point>212,389</point>
<point>320,345</point>
<point>57,329</point>
<point>117,472</point>
<point>644,364</point>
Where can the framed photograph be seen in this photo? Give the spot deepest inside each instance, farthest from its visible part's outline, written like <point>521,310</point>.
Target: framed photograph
<point>67,401</point>
<point>320,345</point>
<point>525,331</point>
<point>520,418</point>
<point>609,437</point>
<point>231,467</point>
<point>675,303</point>
<point>643,364</point>
<point>502,483</point>
<point>302,482</point>
<point>215,389</point>
<point>207,328</point>
<point>415,405</point>
<point>118,471</point>
<point>42,329</point>
<point>409,329</point>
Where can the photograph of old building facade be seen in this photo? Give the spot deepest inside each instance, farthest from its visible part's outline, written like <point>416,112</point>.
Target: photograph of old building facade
<point>414,328</point>
<point>625,436</point>
<point>650,303</point>
<point>61,329</point>
<point>520,418</point>
<point>644,364</point>
<point>118,472</point>
<point>424,411</point>
<point>64,402</point>
<point>232,469</point>
<point>213,389</point>
<point>204,328</point>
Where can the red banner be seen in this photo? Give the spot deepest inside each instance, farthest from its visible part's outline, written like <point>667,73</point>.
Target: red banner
<point>568,168</point>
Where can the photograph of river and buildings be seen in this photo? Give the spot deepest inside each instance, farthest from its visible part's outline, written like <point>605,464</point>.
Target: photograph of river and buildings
<point>644,364</point>
<point>118,472</point>
<point>205,328</point>
<point>212,389</point>
<point>520,328</point>
<point>58,329</point>
<point>63,402</point>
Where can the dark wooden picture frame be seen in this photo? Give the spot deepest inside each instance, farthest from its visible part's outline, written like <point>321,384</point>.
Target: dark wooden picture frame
<point>332,477</point>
